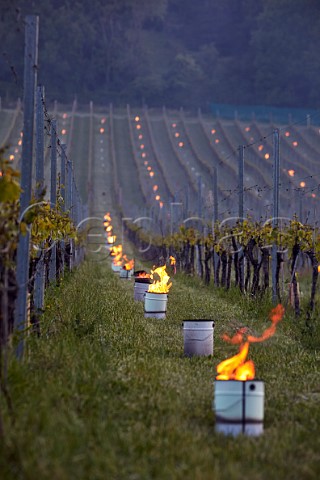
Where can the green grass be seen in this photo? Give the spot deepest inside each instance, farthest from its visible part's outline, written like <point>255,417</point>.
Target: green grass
<point>107,394</point>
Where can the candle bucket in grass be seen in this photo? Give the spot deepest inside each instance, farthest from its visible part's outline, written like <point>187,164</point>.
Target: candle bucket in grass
<point>239,407</point>
<point>238,396</point>
<point>156,298</point>
<point>141,284</point>
<point>198,337</point>
<point>155,305</point>
<point>125,273</point>
<point>115,268</point>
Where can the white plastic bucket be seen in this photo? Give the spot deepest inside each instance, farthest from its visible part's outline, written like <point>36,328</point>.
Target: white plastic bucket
<point>140,289</point>
<point>115,268</point>
<point>198,337</point>
<point>155,305</point>
<point>125,273</point>
<point>239,406</point>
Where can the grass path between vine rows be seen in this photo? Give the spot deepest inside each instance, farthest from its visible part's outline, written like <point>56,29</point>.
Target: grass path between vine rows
<point>107,394</point>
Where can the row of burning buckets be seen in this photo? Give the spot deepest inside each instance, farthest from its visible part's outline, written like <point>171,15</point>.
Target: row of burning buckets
<point>238,396</point>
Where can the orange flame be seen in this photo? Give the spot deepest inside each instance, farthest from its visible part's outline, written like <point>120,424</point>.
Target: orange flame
<point>160,286</point>
<point>116,252</point>
<point>172,260</point>
<point>129,265</point>
<point>143,275</point>
<point>236,367</point>
<point>173,264</point>
<point>111,239</point>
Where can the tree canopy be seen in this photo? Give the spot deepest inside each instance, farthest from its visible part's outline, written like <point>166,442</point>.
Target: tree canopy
<point>173,52</point>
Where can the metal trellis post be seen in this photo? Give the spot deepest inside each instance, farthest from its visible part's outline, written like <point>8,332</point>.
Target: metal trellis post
<point>215,213</point>
<point>275,219</point>
<point>241,186</point>
<point>199,196</point>
<point>39,282</point>
<point>63,196</point>
<point>53,194</point>
<point>23,250</point>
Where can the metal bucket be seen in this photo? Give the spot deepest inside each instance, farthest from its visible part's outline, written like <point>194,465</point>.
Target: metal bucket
<point>198,337</point>
<point>155,305</point>
<point>239,406</point>
<point>140,289</point>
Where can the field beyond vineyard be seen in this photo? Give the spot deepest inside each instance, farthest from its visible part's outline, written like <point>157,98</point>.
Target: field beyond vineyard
<point>145,160</point>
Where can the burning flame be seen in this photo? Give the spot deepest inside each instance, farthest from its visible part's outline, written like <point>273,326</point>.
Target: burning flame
<point>116,252</point>
<point>129,265</point>
<point>173,264</point>
<point>111,239</point>
<point>172,260</point>
<point>236,367</point>
<point>160,286</point>
<point>143,275</point>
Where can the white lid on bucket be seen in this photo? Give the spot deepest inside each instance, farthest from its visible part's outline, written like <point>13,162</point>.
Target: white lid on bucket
<point>199,320</point>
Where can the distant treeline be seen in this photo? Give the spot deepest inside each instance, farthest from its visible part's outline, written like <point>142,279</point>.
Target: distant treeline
<point>172,52</point>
